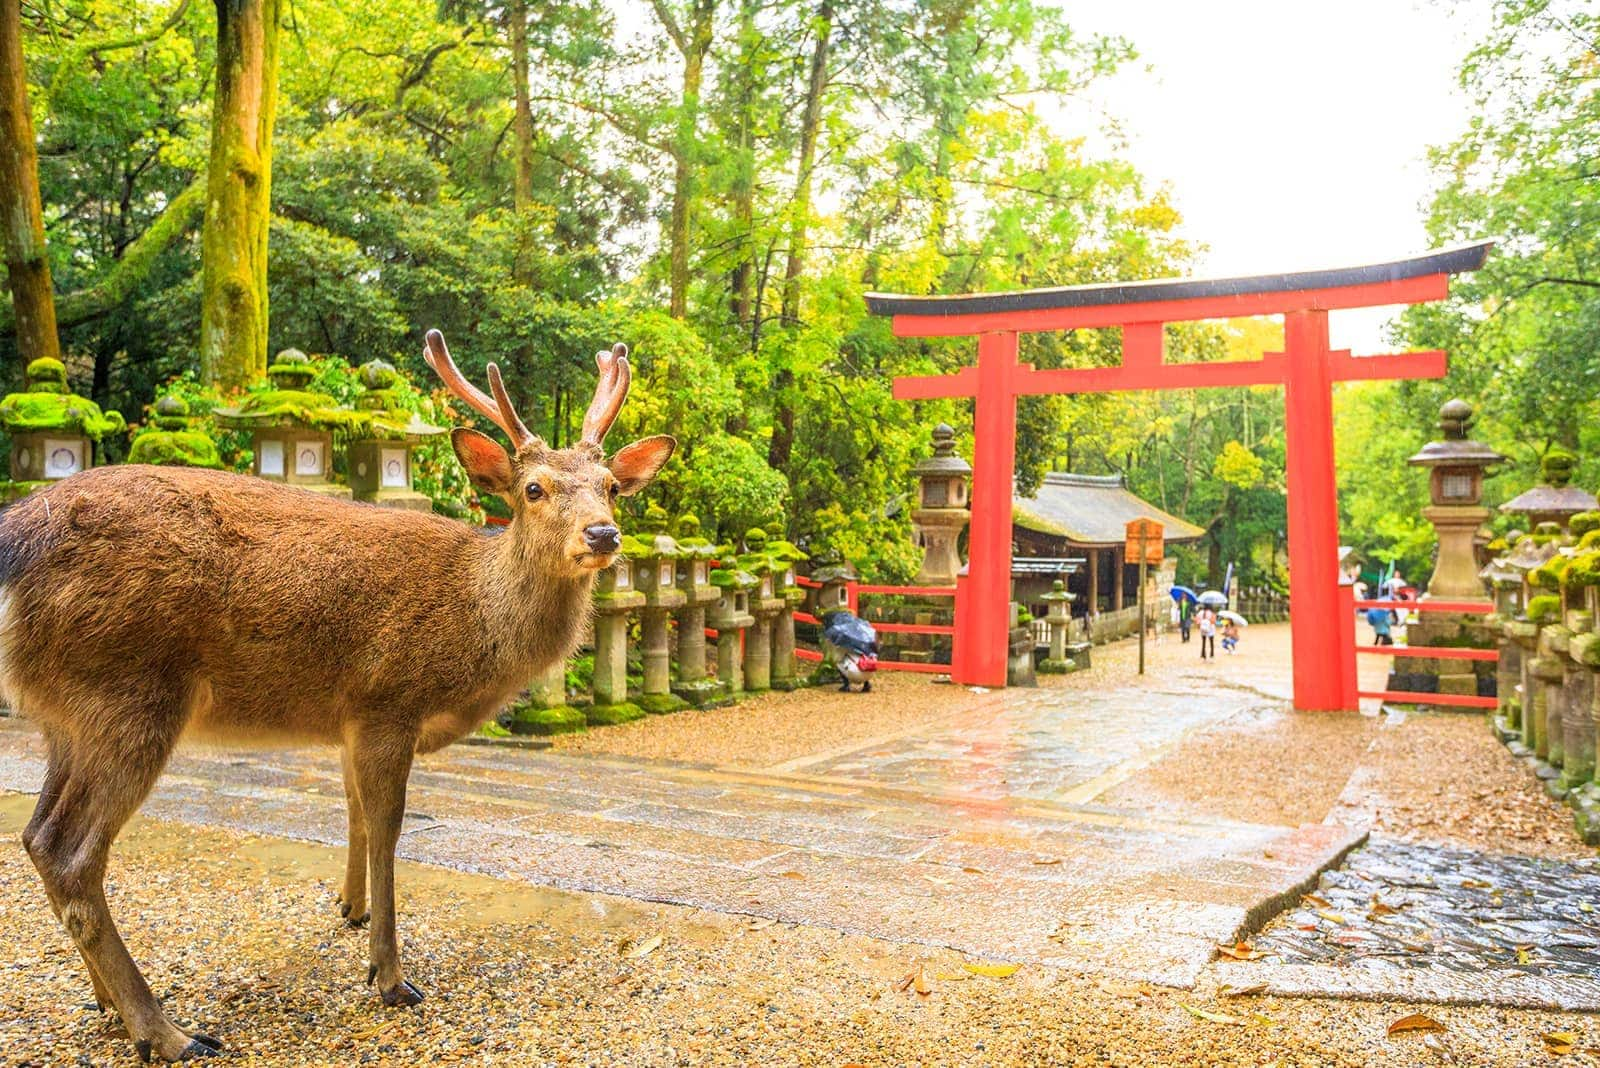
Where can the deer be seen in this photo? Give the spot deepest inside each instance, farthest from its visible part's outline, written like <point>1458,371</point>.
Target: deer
<point>142,606</point>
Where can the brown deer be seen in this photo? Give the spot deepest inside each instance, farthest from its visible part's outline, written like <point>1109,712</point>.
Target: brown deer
<point>140,605</point>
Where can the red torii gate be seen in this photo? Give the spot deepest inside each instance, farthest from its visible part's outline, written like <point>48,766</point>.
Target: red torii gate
<point>1307,369</point>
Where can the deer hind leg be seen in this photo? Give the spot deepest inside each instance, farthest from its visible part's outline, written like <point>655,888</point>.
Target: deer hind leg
<point>106,776</point>
<point>353,898</point>
<point>381,762</point>
<point>55,777</point>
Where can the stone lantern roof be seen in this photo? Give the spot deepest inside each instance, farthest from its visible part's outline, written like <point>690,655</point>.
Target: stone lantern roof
<point>690,542</point>
<point>171,440</point>
<point>382,406</point>
<point>288,403</point>
<point>1455,416</point>
<point>945,460</point>
<point>48,403</point>
<point>1553,497</point>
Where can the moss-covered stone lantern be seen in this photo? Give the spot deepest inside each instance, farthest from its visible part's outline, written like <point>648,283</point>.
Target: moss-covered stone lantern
<point>788,590</point>
<point>291,428</point>
<point>1058,614</point>
<point>730,615</point>
<point>1583,739</point>
<point>380,458</point>
<point>1505,585</point>
<point>943,509</point>
<point>832,593</point>
<point>1553,499</point>
<point>615,596</point>
<point>765,605</point>
<point>655,559</point>
<point>53,431</point>
<point>171,439</point>
<point>695,553</point>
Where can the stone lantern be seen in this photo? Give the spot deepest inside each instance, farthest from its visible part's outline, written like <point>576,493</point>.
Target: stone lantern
<point>833,591</point>
<point>53,431</point>
<point>765,604</point>
<point>1058,614</point>
<point>694,683</point>
<point>171,439</point>
<point>729,616</point>
<point>1456,471</point>
<point>615,596</point>
<point>1553,499</point>
<point>1505,585</point>
<point>380,459</point>
<point>1527,554</point>
<point>785,556</point>
<point>655,558</point>
<point>291,427</point>
<point>943,509</point>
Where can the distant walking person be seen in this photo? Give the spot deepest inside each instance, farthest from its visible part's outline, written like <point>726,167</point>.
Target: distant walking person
<point>1207,621</point>
<point>1185,619</point>
<point>1378,619</point>
<point>1230,637</point>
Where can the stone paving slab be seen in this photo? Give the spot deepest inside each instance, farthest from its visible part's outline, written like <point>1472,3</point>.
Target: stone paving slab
<point>955,834</point>
<point>1455,926</point>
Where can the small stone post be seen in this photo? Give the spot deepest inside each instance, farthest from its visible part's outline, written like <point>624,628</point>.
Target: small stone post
<point>730,616</point>
<point>694,683</point>
<point>615,597</point>
<point>1505,584</point>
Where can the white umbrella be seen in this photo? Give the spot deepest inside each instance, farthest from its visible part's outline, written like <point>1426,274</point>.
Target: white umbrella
<point>1214,599</point>
<point>1235,616</point>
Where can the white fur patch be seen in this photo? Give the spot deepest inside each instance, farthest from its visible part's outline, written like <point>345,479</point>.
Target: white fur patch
<point>5,641</point>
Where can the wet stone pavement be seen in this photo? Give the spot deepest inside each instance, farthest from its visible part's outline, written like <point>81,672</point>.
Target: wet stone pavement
<point>1450,925</point>
<point>986,833</point>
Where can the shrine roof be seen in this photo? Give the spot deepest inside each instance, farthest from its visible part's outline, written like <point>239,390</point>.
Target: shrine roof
<point>1092,510</point>
<point>1441,261</point>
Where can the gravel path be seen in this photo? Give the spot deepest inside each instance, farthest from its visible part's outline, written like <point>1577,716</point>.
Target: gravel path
<point>239,934</point>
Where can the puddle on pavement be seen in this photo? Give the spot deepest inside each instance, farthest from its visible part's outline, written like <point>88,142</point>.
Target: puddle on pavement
<point>470,899</point>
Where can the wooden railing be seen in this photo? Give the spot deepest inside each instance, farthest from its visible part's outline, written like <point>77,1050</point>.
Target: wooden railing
<point>1432,652</point>
<point>853,594</point>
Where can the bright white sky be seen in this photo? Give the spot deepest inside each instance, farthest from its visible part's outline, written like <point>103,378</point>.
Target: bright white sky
<point>1292,133</point>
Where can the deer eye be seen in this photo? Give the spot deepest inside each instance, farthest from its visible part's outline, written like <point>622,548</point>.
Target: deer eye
<point>535,491</point>
<point>614,489</point>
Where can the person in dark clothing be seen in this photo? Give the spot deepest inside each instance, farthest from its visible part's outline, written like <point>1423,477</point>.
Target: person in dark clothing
<point>1185,618</point>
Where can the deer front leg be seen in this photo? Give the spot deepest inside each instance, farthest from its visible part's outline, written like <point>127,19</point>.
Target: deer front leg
<point>353,898</point>
<point>382,764</point>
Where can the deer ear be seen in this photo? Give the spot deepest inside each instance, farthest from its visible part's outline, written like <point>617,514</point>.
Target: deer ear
<point>638,464</point>
<point>488,466</point>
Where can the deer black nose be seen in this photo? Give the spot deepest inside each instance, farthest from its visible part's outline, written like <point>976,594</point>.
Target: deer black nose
<point>602,538</point>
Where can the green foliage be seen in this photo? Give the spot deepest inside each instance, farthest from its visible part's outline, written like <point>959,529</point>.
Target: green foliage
<point>729,479</point>
<point>1545,608</point>
<point>68,412</point>
<point>1584,569</point>
<point>1550,574</point>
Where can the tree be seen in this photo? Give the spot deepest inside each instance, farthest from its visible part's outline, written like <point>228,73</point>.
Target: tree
<point>233,308</point>
<point>692,38</point>
<point>21,216</point>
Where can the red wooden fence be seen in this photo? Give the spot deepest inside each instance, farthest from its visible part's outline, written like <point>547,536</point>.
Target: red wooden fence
<point>1347,595</point>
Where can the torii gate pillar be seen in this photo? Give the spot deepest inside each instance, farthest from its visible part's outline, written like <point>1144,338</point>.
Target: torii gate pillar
<point>1307,369</point>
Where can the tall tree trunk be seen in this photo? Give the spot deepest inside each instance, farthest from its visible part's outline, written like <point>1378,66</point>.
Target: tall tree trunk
<point>233,308</point>
<point>21,216</point>
<point>742,278</point>
<point>522,126</point>
<point>810,125</point>
<point>781,447</point>
<point>694,47</point>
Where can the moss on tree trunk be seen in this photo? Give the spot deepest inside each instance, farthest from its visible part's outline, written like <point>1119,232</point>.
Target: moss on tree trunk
<point>21,219</point>
<point>233,310</point>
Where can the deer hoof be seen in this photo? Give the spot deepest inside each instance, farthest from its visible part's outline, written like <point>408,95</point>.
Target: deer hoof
<point>206,1040</point>
<point>197,1049</point>
<point>404,995</point>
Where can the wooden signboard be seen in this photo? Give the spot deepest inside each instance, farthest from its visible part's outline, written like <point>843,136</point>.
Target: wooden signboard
<point>1146,542</point>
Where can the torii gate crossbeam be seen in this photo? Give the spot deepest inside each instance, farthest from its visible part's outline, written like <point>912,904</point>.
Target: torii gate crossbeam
<point>1307,369</point>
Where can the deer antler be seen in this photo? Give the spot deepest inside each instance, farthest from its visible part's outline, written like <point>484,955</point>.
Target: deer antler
<point>498,410</point>
<point>609,393</point>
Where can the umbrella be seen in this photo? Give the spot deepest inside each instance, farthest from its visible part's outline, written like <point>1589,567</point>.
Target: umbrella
<point>850,632</point>
<point>1183,593</point>
<point>1214,599</point>
<point>1235,616</point>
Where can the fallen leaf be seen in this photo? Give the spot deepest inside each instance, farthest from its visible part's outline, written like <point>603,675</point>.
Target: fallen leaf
<point>1380,909</point>
<point>1240,952</point>
<point>1523,955</point>
<point>1261,1019</point>
<point>1476,884</point>
<point>1048,861</point>
<point>1305,926</point>
<point>1415,1022</point>
<point>1142,990</point>
<point>973,871</point>
<point>1227,990</point>
<point>1331,917</point>
<point>953,977</point>
<point>633,949</point>
<point>921,983</point>
<point>1211,1017</point>
<point>790,875</point>
<point>938,882</point>
<point>373,1032</point>
<point>993,971</point>
<point>1560,1042</point>
<point>1318,901</point>
<point>1584,906</point>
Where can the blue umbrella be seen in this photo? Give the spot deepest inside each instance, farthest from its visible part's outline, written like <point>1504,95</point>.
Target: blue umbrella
<point>1184,593</point>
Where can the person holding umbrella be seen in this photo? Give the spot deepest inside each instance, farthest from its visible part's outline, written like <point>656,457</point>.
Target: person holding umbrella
<point>1206,619</point>
<point>1231,624</point>
<point>1184,598</point>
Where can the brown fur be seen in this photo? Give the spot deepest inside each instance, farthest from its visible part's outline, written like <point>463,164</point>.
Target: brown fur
<point>143,604</point>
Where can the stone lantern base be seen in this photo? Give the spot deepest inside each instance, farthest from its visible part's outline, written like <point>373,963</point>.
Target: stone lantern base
<point>1468,678</point>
